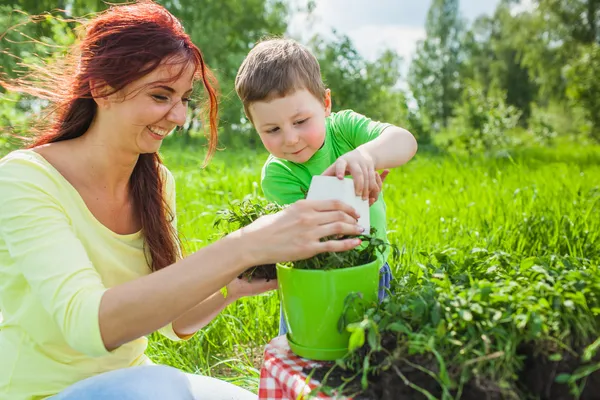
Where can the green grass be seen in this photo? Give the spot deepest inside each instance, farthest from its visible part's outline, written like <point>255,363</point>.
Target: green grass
<point>529,202</point>
<point>533,202</point>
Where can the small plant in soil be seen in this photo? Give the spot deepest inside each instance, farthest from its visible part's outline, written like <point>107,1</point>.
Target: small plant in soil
<point>242,213</point>
<point>478,325</point>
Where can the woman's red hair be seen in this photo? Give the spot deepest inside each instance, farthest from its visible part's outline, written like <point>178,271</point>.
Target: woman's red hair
<point>120,46</point>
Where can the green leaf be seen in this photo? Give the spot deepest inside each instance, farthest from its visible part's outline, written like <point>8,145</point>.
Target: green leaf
<point>555,357</point>
<point>357,339</point>
<point>563,378</point>
<point>364,380</point>
<point>373,339</point>
<point>466,315</point>
<point>398,327</point>
<point>590,351</point>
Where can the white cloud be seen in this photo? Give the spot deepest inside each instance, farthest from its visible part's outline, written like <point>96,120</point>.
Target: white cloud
<point>376,24</point>
<point>523,6</point>
<point>371,40</point>
<point>348,14</point>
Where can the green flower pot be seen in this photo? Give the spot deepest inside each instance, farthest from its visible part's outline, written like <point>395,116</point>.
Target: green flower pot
<point>313,302</point>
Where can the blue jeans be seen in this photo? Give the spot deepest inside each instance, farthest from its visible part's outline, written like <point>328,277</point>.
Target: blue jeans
<point>152,382</point>
<point>385,278</point>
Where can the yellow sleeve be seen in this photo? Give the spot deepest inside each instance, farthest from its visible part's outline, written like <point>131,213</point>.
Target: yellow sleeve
<point>45,249</point>
<point>170,198</point>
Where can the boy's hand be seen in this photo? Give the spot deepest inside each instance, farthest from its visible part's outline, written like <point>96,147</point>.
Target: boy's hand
<point>374,194</point>
<point>361,166</point>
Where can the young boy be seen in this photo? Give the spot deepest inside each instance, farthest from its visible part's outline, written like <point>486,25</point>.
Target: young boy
<point>280,86</point>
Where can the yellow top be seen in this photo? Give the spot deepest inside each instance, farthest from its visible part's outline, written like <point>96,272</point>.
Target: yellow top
<point>56,261</point>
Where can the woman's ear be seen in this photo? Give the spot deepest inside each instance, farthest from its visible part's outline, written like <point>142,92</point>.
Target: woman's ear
<point>100,93</point>
<point>327,102</point>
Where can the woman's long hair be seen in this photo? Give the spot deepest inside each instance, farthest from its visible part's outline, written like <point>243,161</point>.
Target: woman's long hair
<point>119,46</point>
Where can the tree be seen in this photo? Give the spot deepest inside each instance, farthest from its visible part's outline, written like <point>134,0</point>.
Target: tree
<point>369,88</point>
<point>434,75</point>
<point>549,36</point>
<point>224,30</point>
<point>493,58</point>
<point>483,120</point>
<point>584,87</point>
<point>572,21</point>
<point>344,71</point>
<point>559,46</point>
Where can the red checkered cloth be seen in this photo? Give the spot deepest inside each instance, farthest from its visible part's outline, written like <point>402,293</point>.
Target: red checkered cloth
<point>282,376</point>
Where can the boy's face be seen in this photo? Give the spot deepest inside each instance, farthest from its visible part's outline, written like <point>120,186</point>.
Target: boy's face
<point>292,127</point>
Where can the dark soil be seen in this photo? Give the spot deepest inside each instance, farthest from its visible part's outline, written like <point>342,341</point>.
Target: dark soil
<point>539,373</point>
<point>266,271</point>
<point>536,380</point>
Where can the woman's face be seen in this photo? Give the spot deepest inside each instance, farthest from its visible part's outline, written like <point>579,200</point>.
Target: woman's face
<point>144,112</point>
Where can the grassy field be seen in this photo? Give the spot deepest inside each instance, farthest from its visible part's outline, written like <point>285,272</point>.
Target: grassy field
<point>525,202</point>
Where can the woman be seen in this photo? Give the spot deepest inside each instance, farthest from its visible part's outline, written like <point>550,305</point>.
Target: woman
<point>89,257</point>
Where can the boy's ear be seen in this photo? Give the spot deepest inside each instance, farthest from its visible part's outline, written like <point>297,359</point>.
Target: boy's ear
<point>248,116</point>
<point>327,102</point>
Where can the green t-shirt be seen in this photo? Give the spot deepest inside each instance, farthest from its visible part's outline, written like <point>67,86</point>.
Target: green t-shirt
<point>286,182</point>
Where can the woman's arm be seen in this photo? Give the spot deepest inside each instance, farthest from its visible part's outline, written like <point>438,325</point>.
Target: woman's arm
<point>44,248</point>
<point>139,307</point>
<point>199,316</point>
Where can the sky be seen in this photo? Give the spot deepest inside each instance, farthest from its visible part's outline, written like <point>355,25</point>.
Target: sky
<point>374,25</point>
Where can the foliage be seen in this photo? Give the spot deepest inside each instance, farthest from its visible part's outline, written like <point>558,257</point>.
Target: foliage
<point>30,41</point>
<point>542,131</point>
<point>493,59</point>
<point>555,34</point>
<point>482,122</point>
<point>368,87</point>
<point>477,317</point>
<point>521,54</point>
<point>539,202</point>
<point>242,213</point>
<point>368,251</point>
<point>434,71</point>
<point>225,30</point>
<point>556,122</point>
<point>583,86</point>
<point>574,21</point>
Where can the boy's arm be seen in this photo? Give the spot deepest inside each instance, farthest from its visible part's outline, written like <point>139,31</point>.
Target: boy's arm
<point>393,147</point>
<point>376,145</point>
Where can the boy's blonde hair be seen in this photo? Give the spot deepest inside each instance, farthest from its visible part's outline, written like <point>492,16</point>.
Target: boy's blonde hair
<point>275,68</point>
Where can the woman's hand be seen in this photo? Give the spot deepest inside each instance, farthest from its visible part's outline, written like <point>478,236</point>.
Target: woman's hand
<point>239,288</point>
<point>295,233</point>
